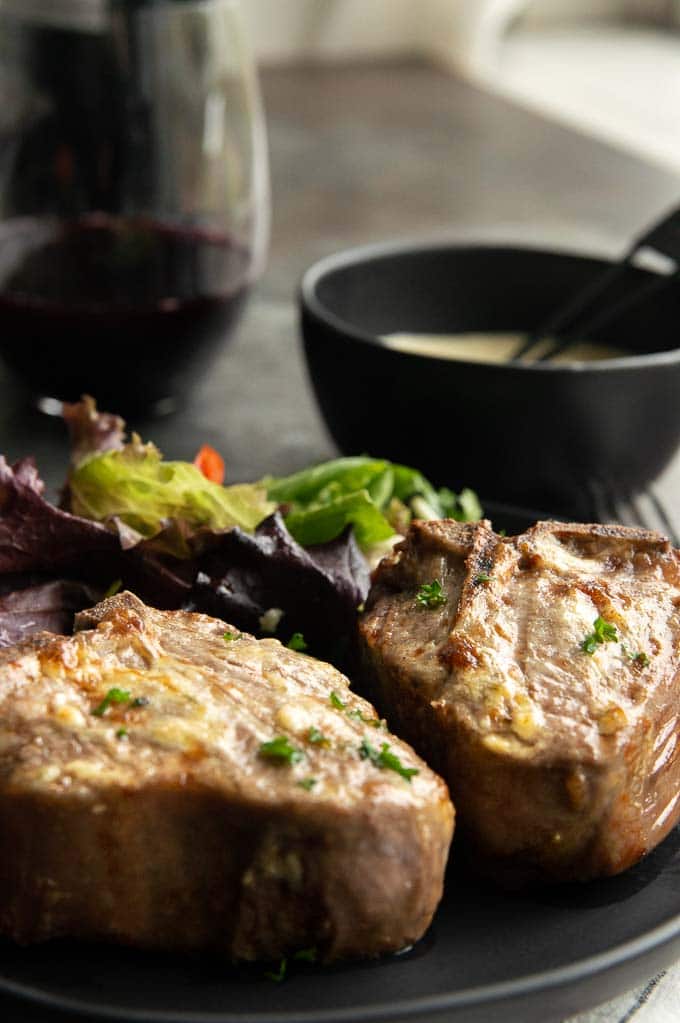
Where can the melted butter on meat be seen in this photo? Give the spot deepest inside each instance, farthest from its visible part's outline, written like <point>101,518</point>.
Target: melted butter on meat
<point>508,644</point>
<point>530,678</point>
<point>558,739</point>
<point>181,718</point>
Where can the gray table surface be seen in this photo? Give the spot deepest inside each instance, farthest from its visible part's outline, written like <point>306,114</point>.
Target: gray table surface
<point>361,154</point>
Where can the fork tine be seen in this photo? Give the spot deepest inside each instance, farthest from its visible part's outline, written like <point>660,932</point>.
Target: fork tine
<point>600,503</point>
<point>642,511</point>
<point>664,517</point>
<point>626,510</point>
<point>651,514</point>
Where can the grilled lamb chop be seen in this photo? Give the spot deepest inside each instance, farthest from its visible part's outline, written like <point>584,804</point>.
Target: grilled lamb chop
<point>543,682</point>
<point>166,782</point>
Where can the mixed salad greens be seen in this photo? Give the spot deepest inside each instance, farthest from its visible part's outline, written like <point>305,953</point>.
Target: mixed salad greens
<point>132,484</point>
<point>280,556</point>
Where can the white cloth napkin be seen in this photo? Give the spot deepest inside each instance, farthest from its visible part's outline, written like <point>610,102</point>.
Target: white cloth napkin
<point>657,1001</point>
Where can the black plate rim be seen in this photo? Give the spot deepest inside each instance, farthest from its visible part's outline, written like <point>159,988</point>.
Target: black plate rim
<point>484,995</point>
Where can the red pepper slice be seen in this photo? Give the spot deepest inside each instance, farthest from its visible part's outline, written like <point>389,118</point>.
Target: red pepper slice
<point>210,463</point>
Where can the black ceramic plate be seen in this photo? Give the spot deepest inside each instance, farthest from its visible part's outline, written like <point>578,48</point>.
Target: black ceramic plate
<point>488,955</point>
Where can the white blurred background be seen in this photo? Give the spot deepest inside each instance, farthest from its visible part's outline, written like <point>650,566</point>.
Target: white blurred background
<point>608,67</point>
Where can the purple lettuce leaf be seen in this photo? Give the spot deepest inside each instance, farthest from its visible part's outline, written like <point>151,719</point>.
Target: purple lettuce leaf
<point>90,430</point>
<point>41,606</point>
<point>53,563</point>
<point>158,579</point>
<point>342,561</point>
<point>36,536</point>
<point>242,576</point>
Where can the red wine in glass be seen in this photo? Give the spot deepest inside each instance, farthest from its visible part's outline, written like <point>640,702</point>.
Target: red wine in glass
<point>129,310</point>
<point>134,194</point>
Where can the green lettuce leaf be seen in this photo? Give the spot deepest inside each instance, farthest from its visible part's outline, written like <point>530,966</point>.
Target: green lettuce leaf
<point>135,486</point>
<point>318,523</point>
<point>130,488</point>
<point>378,498</point>
<point>345,475</point>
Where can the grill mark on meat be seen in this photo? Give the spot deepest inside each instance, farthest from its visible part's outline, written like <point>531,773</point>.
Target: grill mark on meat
<point>526,606</point>
<point>537,736</point>
<point>458,652</point>
<point>481,561</point>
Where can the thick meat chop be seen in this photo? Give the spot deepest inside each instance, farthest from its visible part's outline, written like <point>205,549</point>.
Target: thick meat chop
<point>546,688</point>
<point>138,802</point>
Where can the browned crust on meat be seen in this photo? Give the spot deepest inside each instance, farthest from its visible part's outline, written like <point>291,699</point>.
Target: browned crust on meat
<point>561,765</point>
<point>182,869</point>
<point>178,835</point>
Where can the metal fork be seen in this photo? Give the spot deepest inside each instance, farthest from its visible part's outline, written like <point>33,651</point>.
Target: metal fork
<point>644,510</point>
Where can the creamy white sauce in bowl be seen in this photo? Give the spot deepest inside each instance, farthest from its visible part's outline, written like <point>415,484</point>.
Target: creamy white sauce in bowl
<point>493,347</point>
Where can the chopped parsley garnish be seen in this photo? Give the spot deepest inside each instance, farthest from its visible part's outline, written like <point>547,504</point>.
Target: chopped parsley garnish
<point>307,784</point>
<point>281,751</point>
<point>113,588</point>
<point>303,955</point>
<point>306,955</point>
<point>640,657</point>
<point>280,974</point>
<point>361,608</point>
<point>122,733</point>
<point>230,637</point>
<point>113,696</point>
<point>336,701</point>
<point>431,595</point>
<point>297,642</point>
<point>385,759</point>
<point>357,715</point>
<point>317,737</point>
<point>603,632</point>
<point>141,701</point>
<point>483,577</point>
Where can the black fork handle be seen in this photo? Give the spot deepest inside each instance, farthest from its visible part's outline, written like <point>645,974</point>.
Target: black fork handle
<point>610,313</point>
<point>663,236</point>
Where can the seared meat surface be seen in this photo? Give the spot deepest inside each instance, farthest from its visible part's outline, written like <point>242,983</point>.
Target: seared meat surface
<point>167,782</point>
<point>543,684</point>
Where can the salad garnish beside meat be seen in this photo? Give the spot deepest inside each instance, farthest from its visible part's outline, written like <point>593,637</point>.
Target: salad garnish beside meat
<point>279,556</point>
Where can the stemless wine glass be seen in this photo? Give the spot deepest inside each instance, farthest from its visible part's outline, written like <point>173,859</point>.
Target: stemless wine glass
<point>134,194</point>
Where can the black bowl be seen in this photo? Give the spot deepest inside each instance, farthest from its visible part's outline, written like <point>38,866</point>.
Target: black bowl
<point>533,434</point>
